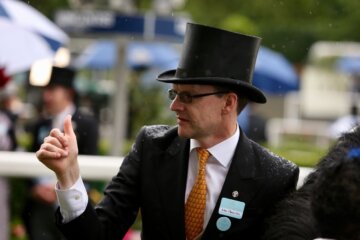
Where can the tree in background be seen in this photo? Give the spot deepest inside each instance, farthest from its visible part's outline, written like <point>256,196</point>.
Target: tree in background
<point>289,27</point>
<point>148,104</point>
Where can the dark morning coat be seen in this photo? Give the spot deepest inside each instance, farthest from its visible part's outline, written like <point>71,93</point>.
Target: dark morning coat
<point>152,178</point>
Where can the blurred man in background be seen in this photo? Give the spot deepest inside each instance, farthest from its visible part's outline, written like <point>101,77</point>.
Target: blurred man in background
<point>58,100</point>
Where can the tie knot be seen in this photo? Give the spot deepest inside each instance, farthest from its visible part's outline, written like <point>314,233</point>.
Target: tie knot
<point>203,155</point>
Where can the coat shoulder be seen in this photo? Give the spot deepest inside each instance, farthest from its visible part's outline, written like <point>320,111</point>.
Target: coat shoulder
<point>157,132</point>
<point>275,164</point>
<point>158,137</point>
<point>84,117</point>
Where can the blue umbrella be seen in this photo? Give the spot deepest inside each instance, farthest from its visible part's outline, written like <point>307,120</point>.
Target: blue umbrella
<point>273,73</point>
<point>100,55</point>
<point>152,55</point>
<point>350,65</point>
<point>139,55</point>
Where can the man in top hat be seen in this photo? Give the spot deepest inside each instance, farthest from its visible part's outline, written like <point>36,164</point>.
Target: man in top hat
<point>58,100</point>
<point>200,179</point>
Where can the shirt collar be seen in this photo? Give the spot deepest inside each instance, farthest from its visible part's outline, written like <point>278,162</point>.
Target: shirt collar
<point>224,151</point>
<point>58,119</point>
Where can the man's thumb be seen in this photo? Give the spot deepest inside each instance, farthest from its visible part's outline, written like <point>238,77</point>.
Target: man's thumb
<point>68,129</point>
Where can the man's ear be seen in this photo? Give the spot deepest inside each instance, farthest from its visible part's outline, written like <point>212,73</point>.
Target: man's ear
<point>230,103</point>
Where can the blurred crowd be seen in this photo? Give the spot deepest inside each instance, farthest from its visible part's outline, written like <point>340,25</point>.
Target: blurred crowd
<point>58,99</point>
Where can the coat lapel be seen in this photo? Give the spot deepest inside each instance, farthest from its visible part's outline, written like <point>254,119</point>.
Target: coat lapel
<point>172,173</point>
<point>241,184</point>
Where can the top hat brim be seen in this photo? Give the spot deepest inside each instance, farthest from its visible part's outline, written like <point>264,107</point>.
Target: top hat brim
<point>251,92</point>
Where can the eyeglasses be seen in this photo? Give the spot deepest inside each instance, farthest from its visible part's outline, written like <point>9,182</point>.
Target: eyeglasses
<point>186,97</point>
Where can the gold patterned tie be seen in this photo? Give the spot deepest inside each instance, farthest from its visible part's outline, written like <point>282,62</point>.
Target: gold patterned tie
<point>195,204</point>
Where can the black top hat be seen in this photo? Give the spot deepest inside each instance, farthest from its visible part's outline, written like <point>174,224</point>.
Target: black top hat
<point>217,57</point>
<point>62,77</point>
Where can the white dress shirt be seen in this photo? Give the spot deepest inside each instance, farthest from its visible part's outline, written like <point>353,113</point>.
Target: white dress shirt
<point>217,168</point>
<point>73,201</point>
<point>58,119</point>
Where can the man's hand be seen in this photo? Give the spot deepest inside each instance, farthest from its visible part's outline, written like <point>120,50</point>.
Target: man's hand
<point>59,153</point>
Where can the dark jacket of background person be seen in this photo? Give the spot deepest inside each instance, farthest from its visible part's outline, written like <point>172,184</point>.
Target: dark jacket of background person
<point>294,218</point>
<point>153,178</point>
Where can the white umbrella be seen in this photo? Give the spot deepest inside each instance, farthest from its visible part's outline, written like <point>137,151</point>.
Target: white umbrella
<point>26,36</point>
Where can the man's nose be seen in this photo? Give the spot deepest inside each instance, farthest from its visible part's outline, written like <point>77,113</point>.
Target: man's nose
<point>176,105</point>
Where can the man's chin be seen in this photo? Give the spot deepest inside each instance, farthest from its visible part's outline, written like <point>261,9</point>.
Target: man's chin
<point>183,133</point>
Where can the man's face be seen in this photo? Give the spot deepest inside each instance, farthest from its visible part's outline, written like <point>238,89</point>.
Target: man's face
<point>202,118</point>
<point>56,99</point>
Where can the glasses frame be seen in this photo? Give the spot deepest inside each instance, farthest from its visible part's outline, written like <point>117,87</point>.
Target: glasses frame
<point>186,97</point>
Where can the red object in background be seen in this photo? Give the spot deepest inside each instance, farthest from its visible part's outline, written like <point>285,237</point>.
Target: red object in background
<point>132,235</point>
<point>3,77</point>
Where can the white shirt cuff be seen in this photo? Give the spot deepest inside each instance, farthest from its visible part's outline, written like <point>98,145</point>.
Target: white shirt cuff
<point>72,201</point>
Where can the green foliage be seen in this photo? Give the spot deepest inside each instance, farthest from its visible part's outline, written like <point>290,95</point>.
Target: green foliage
<point>148,105</point>
<point>18,195</point>
<point>301,151</point>
<point>17,198</point>
<point>239,23</point>
<point>286,26</point>
<point>24,140</point>
<point>307,157</point>
<point>48,8</point>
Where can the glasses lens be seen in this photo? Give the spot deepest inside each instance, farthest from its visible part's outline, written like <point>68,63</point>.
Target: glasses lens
<point>172,94</point>
<point>185,97</point>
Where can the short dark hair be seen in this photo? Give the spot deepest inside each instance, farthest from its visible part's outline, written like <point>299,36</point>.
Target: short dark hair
<point>242,100</point>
